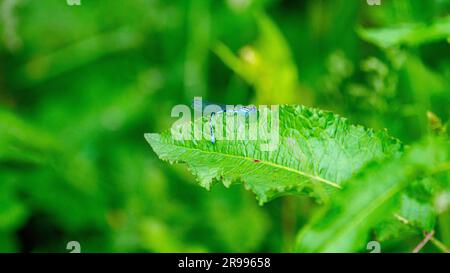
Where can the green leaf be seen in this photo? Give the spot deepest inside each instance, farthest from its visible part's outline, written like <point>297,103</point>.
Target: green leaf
<point>317,151</point>
<point>369,198</point>
<point>411,35</point>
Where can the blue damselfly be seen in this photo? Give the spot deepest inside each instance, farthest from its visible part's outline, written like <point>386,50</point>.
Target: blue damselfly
<point>243,110</point>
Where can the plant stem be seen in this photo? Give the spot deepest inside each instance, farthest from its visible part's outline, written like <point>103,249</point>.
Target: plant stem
<point>443,248</point>
<point>438,244</point>
<point>288,221</point>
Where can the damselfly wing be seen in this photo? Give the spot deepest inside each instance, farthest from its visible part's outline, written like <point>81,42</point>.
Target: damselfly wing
<point>244,110</point>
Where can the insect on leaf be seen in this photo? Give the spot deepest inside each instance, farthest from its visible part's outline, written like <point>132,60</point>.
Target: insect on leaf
<point>317,151</point>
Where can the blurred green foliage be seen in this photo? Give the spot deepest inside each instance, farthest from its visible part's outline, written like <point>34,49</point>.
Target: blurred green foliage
<point>80,85</point>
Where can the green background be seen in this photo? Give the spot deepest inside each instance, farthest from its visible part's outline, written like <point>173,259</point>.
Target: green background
<point>80,85</point>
